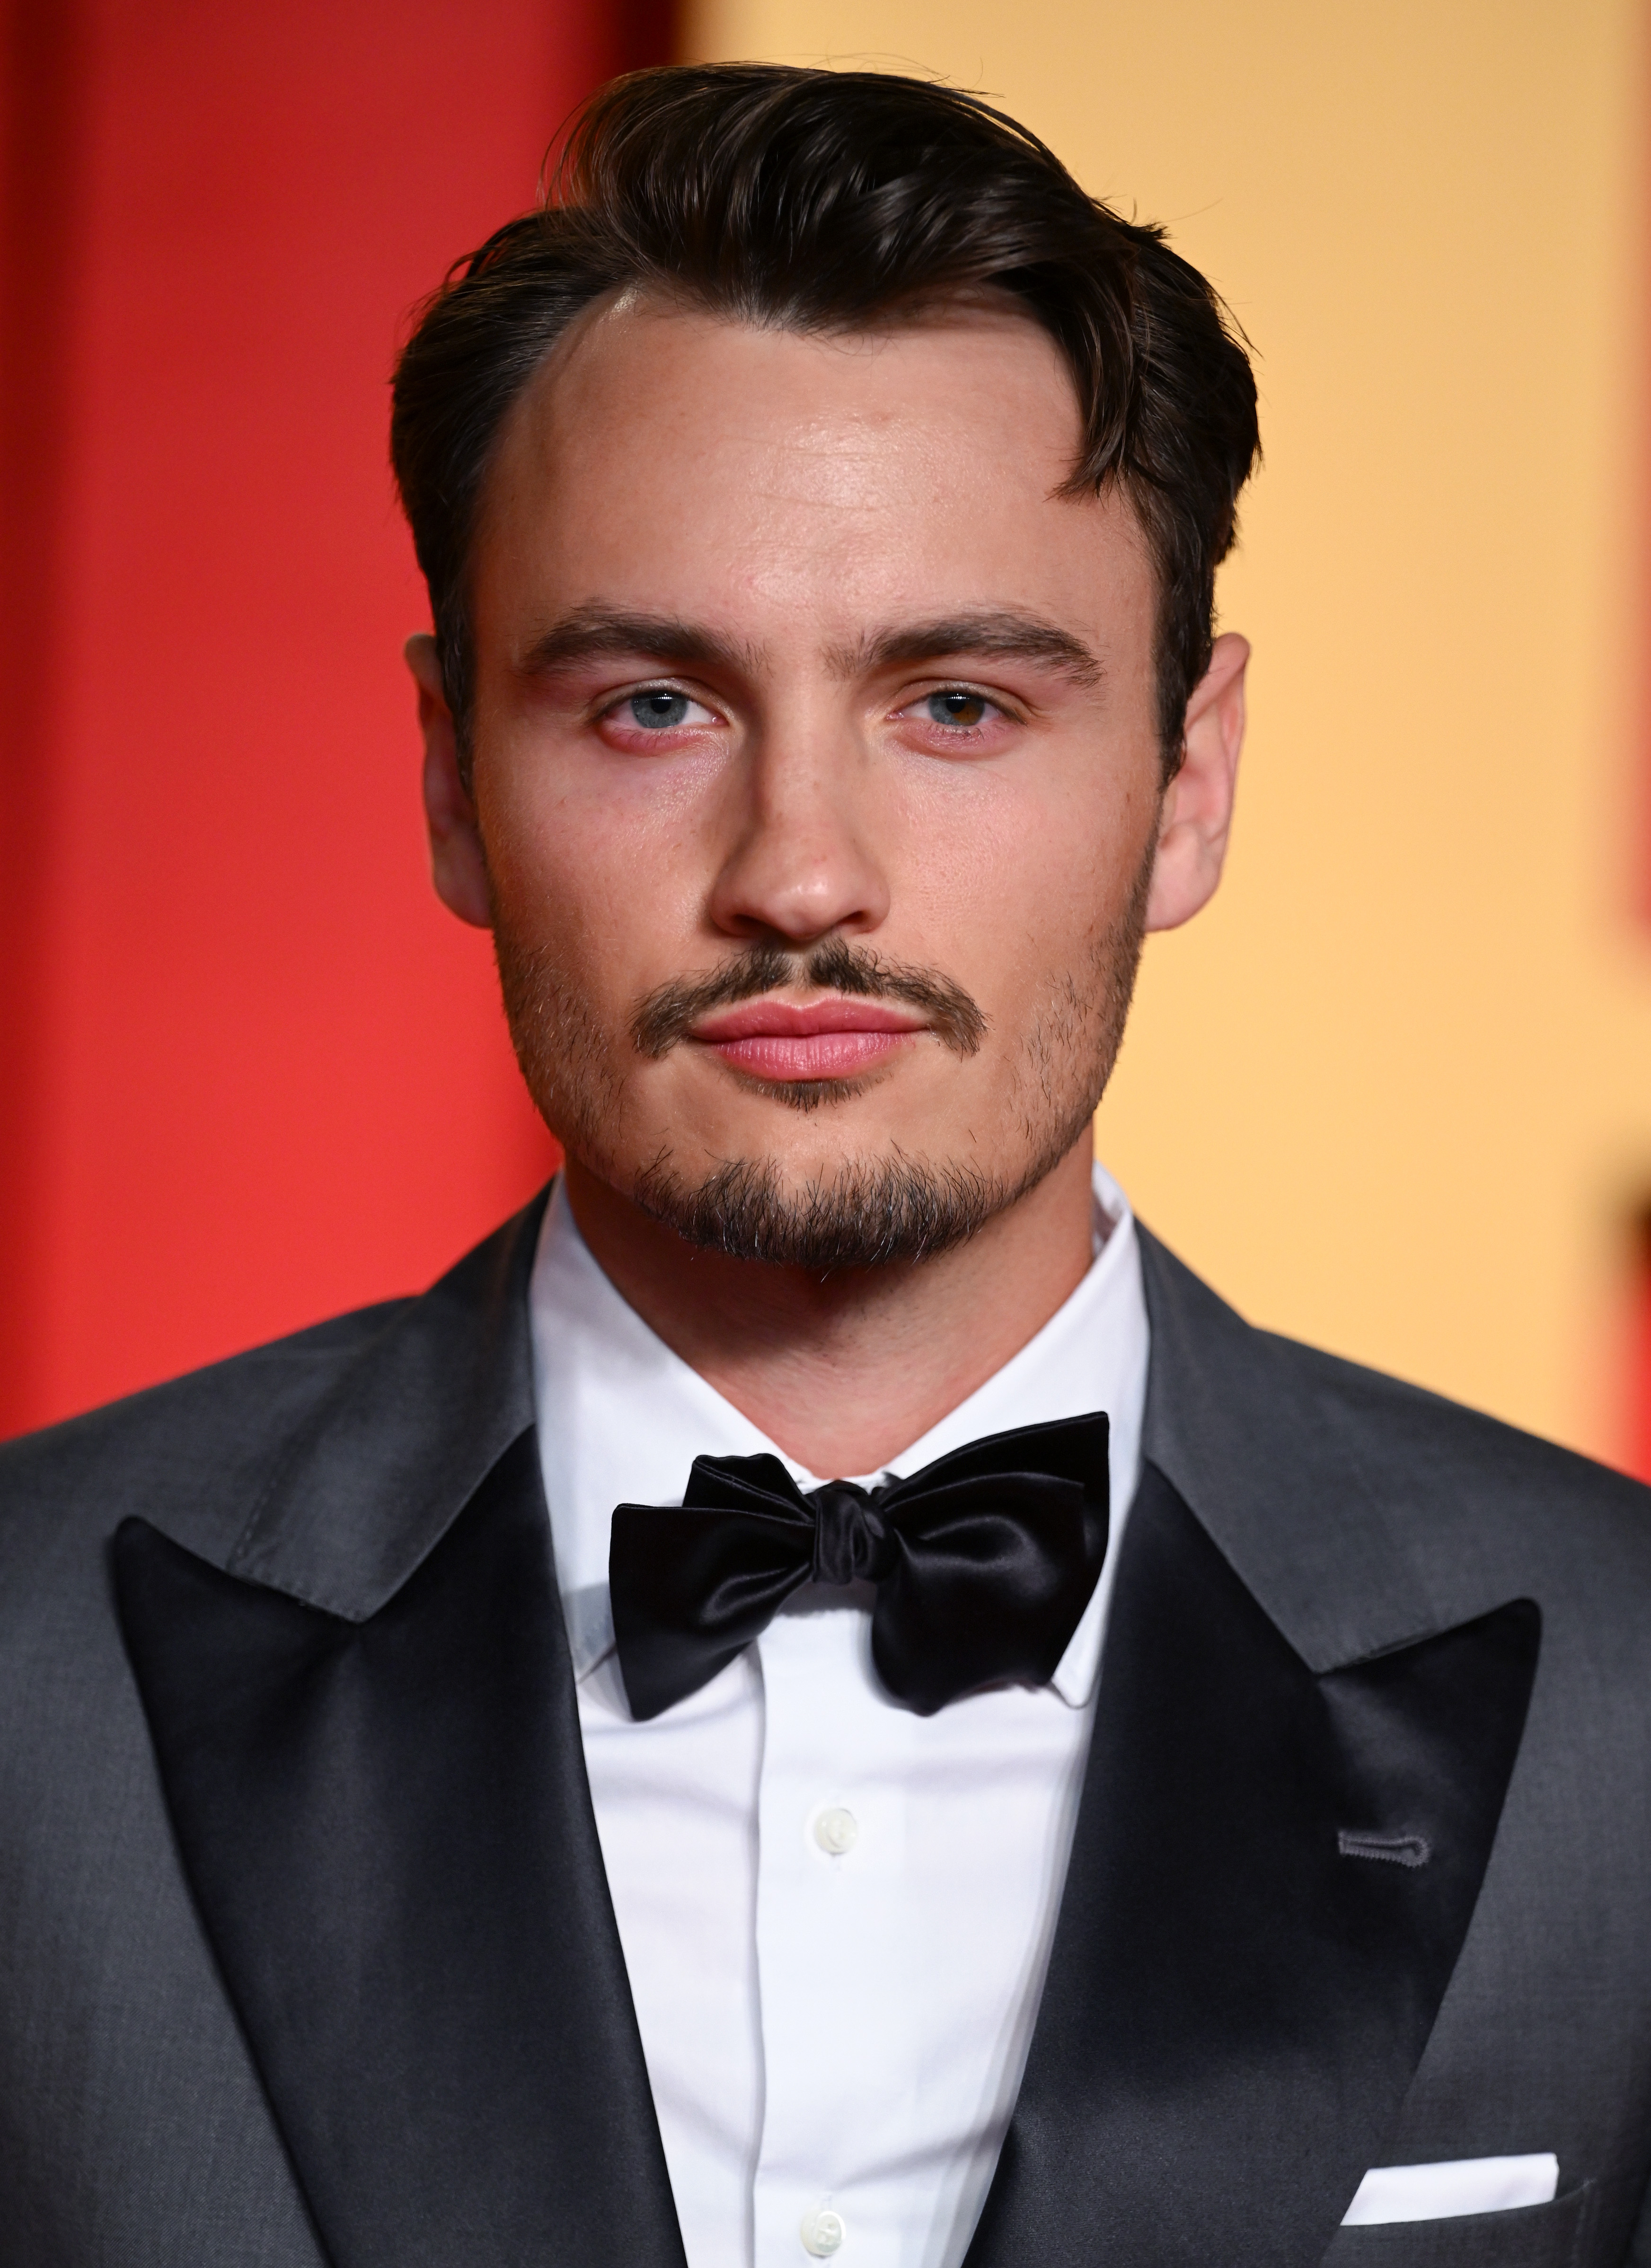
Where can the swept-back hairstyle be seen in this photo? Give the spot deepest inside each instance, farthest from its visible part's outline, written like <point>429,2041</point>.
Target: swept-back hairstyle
<point>823,202</point>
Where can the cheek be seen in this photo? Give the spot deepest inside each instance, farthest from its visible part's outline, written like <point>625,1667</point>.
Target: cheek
<point>1016,884</point>
<point>597,879</point>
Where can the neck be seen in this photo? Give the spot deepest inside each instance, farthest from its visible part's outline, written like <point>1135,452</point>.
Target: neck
<point>844,1372</point>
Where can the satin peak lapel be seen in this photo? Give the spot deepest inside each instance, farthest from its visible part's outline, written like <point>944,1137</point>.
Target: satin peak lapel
<point>387,1830</point>
<point>1272,1875</point>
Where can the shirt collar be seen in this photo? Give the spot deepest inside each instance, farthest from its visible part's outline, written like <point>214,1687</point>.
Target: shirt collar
<point>622,1418</point>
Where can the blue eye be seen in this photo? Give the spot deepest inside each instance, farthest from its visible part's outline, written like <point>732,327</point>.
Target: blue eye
<point>659,710</point>
<point>957,708</point>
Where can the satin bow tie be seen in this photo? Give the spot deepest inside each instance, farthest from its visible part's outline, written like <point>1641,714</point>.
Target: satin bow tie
<point>984,1563</point>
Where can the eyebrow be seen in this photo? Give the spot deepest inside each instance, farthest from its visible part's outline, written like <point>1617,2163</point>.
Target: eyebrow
<point>591,632</point>
<point>994,636</point>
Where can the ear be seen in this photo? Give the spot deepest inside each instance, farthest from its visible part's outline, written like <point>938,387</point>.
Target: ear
<point>1198,813</point>
<point>458,865</point>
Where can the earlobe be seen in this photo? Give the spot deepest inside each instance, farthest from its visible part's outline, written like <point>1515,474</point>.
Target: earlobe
<point>457,861</point>
<point>1198,812</point>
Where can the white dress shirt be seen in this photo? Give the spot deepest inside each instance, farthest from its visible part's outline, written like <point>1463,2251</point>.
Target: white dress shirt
<point>835,1914</point>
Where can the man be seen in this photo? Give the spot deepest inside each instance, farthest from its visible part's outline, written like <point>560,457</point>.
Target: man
<point>820,1694</point>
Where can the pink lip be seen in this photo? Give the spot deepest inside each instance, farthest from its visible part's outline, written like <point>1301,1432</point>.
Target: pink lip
<point>828,1038</point>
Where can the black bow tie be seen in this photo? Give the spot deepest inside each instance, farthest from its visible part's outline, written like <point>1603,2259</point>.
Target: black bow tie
<point>984,1563</point>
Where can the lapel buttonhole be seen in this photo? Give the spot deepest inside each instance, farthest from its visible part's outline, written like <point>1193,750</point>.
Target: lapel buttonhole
<point>1397,1850</point>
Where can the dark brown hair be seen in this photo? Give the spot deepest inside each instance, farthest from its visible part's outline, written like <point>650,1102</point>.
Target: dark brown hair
<point>825,201</point>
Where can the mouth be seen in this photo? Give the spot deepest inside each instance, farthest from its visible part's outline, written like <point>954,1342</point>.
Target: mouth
<point>828,1039</point>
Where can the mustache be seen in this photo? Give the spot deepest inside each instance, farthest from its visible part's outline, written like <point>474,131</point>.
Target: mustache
<point>670,1011</point>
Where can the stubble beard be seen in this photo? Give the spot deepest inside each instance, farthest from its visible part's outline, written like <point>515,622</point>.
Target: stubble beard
<point>871,1211</point>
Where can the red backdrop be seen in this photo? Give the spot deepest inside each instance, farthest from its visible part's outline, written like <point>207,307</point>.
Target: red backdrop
<point>253,1073</point>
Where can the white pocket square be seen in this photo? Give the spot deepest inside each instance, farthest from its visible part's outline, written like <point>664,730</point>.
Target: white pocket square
<point>1455,2186</point>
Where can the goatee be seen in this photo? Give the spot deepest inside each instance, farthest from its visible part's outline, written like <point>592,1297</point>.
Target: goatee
<point>869,1212</point>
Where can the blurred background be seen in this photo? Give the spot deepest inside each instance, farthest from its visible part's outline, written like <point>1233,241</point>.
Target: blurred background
<point>1391,1093</point>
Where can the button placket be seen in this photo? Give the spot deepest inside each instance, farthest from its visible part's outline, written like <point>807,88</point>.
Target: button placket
<point>828,1941</point>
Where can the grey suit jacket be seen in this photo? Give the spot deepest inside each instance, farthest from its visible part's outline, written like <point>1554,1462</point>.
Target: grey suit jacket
<point>306,1953</point>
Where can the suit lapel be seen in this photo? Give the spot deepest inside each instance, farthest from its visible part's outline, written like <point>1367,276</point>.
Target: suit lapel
<point>1293,1786</point>
<point>381,1805</point>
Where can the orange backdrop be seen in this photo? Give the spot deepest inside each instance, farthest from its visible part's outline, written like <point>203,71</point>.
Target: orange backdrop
<point>253,1073</point>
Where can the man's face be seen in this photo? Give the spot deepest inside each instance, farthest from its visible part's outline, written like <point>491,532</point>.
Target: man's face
<point>815,769</point>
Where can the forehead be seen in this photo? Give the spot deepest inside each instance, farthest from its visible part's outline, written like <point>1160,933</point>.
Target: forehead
<point>671,458</point>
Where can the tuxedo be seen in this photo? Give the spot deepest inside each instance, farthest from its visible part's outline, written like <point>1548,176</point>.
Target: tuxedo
<point>308,1955</point>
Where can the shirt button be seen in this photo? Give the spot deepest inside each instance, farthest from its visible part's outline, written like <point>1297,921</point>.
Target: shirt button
<point>822,2230</point>
<point>836,1831</point>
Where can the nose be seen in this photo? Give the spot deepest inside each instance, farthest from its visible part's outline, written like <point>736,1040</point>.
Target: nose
<point>801,862</point>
